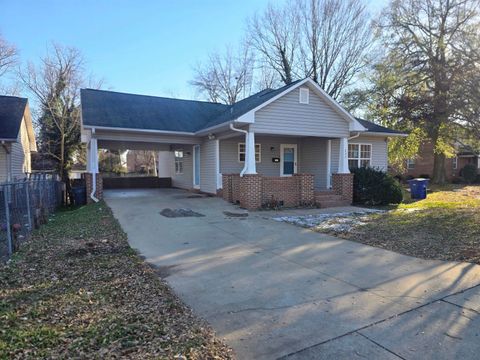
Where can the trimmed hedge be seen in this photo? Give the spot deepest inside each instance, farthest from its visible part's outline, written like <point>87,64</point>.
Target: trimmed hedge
<point>375,187</point>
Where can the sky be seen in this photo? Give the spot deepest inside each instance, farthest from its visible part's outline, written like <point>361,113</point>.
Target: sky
<point>143,46</point>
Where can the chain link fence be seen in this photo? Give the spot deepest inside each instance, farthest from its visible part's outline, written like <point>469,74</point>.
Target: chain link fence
<point>24,206</point>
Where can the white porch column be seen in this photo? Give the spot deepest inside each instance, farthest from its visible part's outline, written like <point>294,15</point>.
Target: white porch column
<point>250,153</point>
<point>329,164</point>
<point>92,156</point>
<point>343,157</point>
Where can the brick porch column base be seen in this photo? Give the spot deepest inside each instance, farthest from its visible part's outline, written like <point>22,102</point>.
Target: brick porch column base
<point>342,184</point>
<point>99,190</point>
<point>251,192</point>
<point>306,189</point>
<point>227,187</point>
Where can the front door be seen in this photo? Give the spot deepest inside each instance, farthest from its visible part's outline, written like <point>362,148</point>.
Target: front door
<point>196,166</point>
<point>288,159</point>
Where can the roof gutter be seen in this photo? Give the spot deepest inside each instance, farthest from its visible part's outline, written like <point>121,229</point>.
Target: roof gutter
<point>246,141</point>
<point>354,136</point>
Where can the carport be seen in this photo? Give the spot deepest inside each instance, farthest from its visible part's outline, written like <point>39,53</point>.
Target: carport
<point>97,138</point>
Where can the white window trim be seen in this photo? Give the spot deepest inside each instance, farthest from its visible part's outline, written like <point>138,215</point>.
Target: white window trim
<point>295,158</point>
<point>305,91</point>
<point>409,163</point>
<point>455,163</point>
<point>178,161</point>
<point>259,152</point>
<point>359,159</point>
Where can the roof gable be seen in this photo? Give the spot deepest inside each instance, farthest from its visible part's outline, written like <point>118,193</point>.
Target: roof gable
<point>12,110</point>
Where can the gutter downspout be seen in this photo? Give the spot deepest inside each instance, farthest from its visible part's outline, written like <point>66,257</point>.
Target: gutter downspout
<point>93,169</point>
<point>246,141</point>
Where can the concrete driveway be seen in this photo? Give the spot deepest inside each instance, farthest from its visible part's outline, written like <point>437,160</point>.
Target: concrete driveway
<point>273,290</point>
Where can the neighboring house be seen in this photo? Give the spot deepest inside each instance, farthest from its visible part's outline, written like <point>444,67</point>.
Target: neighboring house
<point>17,138</point>
<point>276,137</point>
<point>422,165</point>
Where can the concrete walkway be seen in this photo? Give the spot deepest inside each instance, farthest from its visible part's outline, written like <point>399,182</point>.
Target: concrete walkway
<point>273,290</point>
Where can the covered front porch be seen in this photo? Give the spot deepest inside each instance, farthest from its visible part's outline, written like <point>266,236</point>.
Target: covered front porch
<point>271,171</point>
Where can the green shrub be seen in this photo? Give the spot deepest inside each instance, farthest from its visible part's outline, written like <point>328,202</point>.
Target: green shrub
<point>375,187</point>
<point>469,173</point>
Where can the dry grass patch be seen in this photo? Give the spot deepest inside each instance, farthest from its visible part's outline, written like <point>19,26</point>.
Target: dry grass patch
<point>444,226</point>
<point>77,290</point>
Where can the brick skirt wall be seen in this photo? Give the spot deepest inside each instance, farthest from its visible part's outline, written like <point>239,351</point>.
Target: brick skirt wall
<point>255,191</point>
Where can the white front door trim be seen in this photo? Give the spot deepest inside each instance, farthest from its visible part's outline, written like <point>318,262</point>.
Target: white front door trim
<point>282,148</point>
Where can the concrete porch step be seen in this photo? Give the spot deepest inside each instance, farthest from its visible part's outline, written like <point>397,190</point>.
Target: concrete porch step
<point>332,203</point>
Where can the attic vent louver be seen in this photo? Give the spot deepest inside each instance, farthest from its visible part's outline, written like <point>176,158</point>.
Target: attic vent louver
<point>304,95</point>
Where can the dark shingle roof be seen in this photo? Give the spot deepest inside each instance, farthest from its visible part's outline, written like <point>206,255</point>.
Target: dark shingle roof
<point>12,109</point>
<point>121,110</point>
<point>372,127</point>
<point>114,109</point>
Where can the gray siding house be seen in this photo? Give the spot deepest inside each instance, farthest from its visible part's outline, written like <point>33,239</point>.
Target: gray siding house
<point>17,138</point>
<point>276,133</point>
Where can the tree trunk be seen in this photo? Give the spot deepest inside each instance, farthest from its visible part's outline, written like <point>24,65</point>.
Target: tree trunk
<point>439,174</point>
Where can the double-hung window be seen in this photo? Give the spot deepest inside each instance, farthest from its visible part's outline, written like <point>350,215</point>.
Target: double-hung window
<point>241,152</point>
<point>178,162</point>
<point>359,155</point>
<point>410,164</point>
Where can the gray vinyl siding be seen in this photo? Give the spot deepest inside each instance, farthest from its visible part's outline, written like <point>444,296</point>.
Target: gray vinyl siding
<point>208,164</point>
<point>229,163</point>
<point>287,116</point>
<point>314,160</point>
<point>335,155</point>
<point>3,165</point>
<point>379,150</point>
<point>185,180</point>
<point>18,159</point>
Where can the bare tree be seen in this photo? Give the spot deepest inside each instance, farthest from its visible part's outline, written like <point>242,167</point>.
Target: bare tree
<point>275,36</point>
<point>226,77</point>
<point>8,60</point>
<point>56,83</point>
<point>8,56</point>
<point>335,37</point>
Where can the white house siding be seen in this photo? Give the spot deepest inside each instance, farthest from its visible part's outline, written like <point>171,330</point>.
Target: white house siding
<point>379,150</point>
<point>229,163</point>
<point>208,166</point>
<point>287,116</point>
<point>185,180</point>
<point>20,154</point>
<point>313,152</point>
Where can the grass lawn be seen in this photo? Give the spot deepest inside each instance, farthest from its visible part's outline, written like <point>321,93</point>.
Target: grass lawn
<point>78,290</point>
<point>444,226</point>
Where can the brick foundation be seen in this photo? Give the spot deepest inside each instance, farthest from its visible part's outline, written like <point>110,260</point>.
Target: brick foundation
<point>256,191</point>
<point>99,189</point>
<point>342,184</point>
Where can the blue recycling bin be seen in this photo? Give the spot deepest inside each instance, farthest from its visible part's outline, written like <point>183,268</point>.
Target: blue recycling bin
<point>418,188</point>
<point>79,195</point>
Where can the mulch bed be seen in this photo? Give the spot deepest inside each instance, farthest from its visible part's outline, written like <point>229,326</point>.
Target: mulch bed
<point>77,290</point>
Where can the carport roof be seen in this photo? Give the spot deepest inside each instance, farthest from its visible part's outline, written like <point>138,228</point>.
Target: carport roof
<point>131,111</point>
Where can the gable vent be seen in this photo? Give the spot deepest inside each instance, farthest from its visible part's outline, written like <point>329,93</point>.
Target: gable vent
<point>304,95</point>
